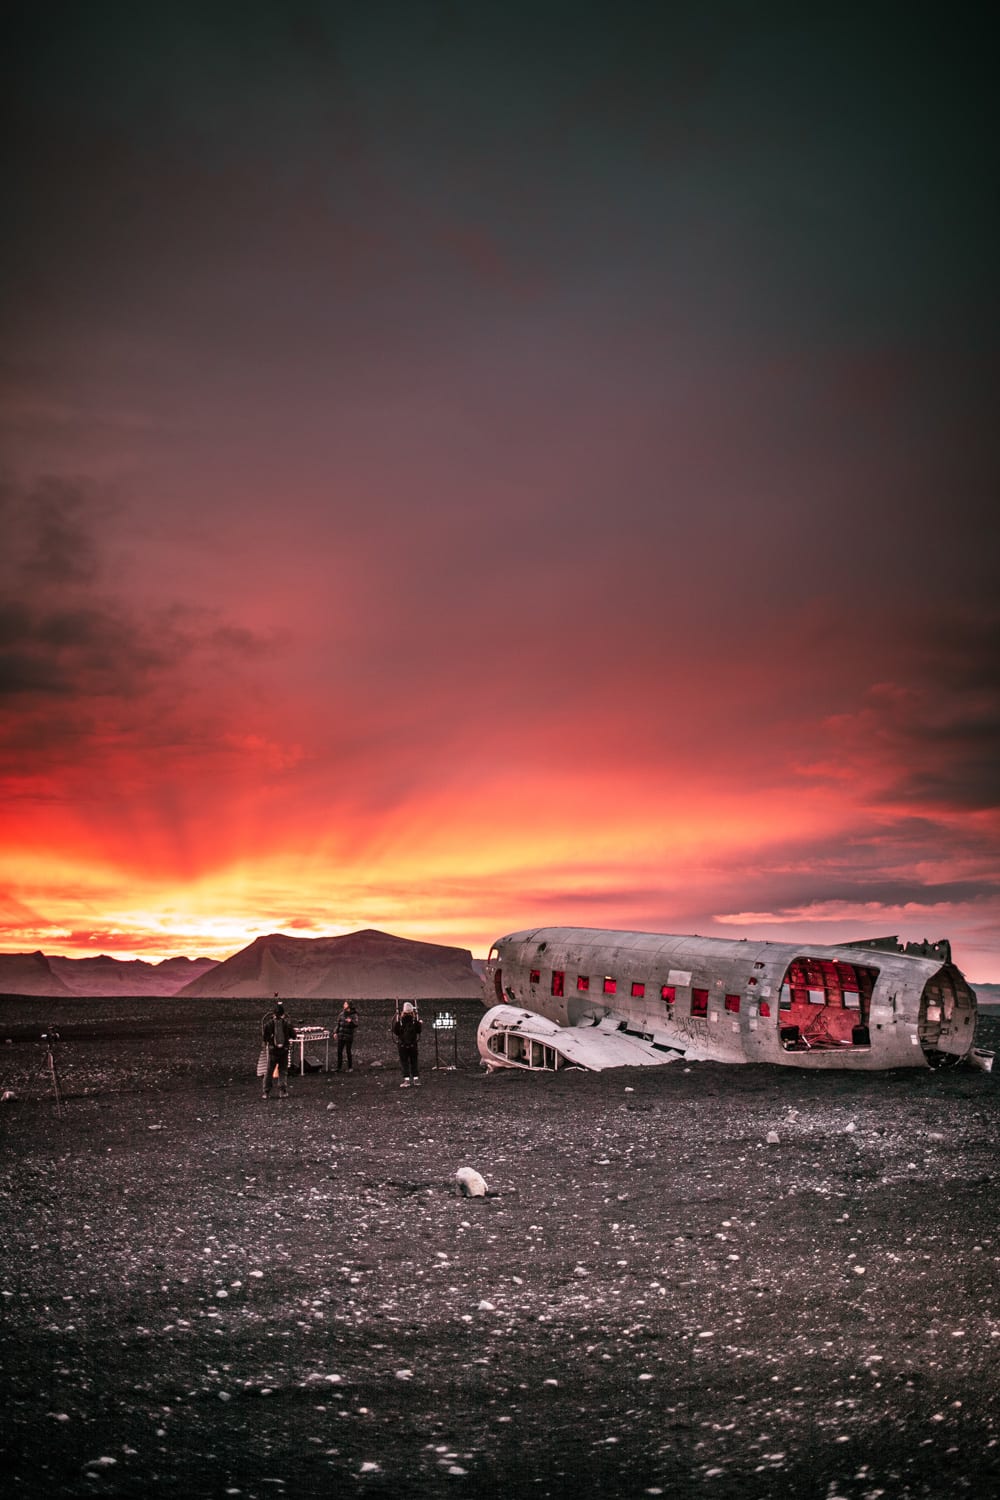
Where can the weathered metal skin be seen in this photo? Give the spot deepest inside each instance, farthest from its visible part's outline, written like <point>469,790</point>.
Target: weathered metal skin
<point>796,1005</point>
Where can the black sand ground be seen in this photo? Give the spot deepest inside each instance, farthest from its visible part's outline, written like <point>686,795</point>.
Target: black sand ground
<point>204,1295</point>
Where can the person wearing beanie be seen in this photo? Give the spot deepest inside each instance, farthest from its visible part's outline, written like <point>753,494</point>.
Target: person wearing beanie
<point>406,1029</point>
<point>277,1032</point>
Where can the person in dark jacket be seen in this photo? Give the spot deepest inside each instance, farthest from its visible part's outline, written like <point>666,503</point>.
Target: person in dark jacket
<point>406,1029</point>
<point>277,1032</point>
<point>347,1023</point>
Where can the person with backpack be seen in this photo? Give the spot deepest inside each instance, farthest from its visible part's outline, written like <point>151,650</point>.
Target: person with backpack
<point>277,1032</point>
<point>406,1029</point>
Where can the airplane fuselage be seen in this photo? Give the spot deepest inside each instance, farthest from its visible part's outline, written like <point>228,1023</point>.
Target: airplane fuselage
<point>795,1004</point>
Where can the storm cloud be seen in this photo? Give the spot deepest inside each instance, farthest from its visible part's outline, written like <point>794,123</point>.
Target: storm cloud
<point>467,470</point>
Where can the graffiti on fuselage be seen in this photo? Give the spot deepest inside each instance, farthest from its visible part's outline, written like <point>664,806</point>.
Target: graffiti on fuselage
<point>691,1030</point>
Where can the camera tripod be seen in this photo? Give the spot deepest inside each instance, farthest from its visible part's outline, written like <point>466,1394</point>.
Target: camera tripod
<point>51,1039</point>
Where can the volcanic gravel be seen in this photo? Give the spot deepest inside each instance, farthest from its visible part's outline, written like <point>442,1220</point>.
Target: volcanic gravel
<point>689,1281</point>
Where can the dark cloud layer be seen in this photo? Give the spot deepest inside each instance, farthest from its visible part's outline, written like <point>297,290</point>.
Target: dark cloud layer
<point>579,411</point>
<point>67,633</point>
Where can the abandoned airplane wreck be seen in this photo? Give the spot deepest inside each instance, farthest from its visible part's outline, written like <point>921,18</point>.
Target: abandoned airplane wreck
<point>594,998</point>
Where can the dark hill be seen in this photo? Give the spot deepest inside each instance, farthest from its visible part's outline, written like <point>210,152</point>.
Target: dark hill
<point>102,975</point>
<point>30,974</point>
<point>38,974</point>
<point>366,965</point>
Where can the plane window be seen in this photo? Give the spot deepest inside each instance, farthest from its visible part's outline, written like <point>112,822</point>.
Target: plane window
<point>699,1002</point>
<point>535,976</point>
<point>610,985</point>
<point>765,1009</point>
<point>638,989</point>
<point>821,982</point>
<point>668,994</point>
<point>733,1002</point>
<point>583,981</point>
<point>558,979</point>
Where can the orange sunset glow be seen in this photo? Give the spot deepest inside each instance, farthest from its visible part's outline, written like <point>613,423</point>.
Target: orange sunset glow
<point>452,488</point>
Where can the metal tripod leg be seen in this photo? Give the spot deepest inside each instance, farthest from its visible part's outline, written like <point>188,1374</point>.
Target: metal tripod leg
<point>53,1071</point>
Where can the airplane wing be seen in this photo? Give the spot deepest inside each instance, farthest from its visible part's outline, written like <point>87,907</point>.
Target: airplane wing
<point>509,1037</point>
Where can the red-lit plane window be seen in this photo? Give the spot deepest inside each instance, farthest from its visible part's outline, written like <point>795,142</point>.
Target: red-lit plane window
<point>638,989</point>
<point>733,1002</point>
<point>765,1009</point>
<point>610,985</point>
<point>699,1002</point>
<point>668,994</point>
<point>558,980</point>
<point>583,981</point>
<point>535,976</point>
<point>823,982</point>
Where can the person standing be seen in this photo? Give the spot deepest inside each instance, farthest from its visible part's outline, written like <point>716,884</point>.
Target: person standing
<point>347,1023</point>
<point>406,1029</point>
<point>277,1032</point>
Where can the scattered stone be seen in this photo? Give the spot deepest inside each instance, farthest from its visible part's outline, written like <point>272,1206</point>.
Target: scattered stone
<point>470,1183</point>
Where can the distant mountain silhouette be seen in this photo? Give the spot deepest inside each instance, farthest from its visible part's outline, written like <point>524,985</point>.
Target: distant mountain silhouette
<point>35,974</point>
<point>988,995</point>
<point>366,965</point>
<point>29,974</point>
<point>116,976</point>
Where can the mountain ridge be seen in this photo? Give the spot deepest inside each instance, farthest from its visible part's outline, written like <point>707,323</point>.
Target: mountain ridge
<point>98,976</point>
<point>364,965</point>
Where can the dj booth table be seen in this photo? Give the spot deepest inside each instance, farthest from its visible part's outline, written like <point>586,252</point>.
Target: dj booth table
<point>304,1037</point>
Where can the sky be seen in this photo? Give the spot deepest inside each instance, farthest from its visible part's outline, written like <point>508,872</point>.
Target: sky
<point>471,466</point>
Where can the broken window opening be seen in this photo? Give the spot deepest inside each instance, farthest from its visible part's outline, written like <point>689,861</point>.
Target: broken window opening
<point>583,981</point>
<point>610,985</point>
<point>699,1002</point>
<point>638,989</point>
<point>824,1004</point>
<point>558,981</point>
<point>524,1052</point>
